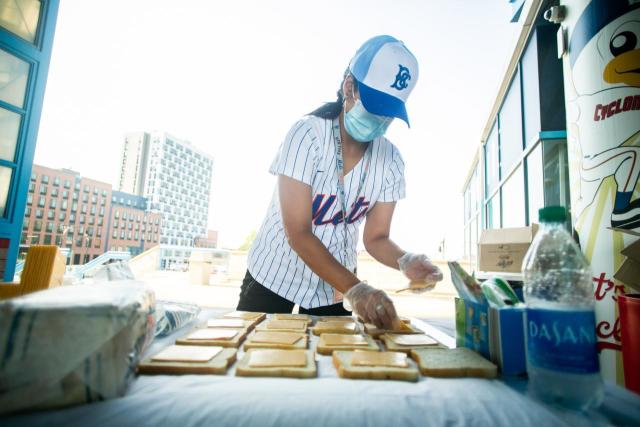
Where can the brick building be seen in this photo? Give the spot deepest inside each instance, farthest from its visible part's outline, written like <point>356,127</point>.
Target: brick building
<point>74,212</point>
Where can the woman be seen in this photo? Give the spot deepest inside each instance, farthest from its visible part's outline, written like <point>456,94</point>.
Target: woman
<point>333,161</point>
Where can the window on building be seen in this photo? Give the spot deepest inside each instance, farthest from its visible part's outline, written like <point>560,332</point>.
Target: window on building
<point>117,214</point>
<point>34,176</point>
<point>86,188</point>
<point>32,187</point>
<point>39,213</point>
<point>91,220</point>
<point>62,216</point>
<point>51,214</point>
<point>50,226</point>
<point>75,196</point>
<point>115,234</point>
<point>72,218</point>
<point>47,239</point>
<point>513,199</point>
<point>63,205</point>
<point>67,184</point>
<point>100,221</point>
<point>45,179</point>
<point>510,120</point>
<point>56,181</point>
<point>25,224</point>
<point>122,234</point>
<point>83,209</point>
<point>493,213</point>
<point>492,161</point>
<point>54,192</point>
<point>43,189</point>
<point>85,198</point>
<point>81,219</point>
<point>53,203</point>
<point>29,199</point>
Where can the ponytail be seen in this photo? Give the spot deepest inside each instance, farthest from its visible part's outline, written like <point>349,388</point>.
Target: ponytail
<point>331,110</point>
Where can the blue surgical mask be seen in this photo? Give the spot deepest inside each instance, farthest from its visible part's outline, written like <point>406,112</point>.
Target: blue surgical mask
<point>364,126</point>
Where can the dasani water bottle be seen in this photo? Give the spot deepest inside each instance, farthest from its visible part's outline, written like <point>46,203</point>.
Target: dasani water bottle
<point>562,357</point>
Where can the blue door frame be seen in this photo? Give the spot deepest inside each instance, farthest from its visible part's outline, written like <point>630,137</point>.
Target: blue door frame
<point>38,56</point>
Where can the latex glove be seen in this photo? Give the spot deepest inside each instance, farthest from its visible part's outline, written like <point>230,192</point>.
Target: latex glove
<point>372,305</point>
<point>420,271</point>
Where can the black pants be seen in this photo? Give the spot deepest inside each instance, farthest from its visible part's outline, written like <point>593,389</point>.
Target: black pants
<point>255,297</point>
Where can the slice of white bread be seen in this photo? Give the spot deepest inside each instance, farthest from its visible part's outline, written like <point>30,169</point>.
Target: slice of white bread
<point>244,368</point>
<point>336,319</point>
<point>342,363</point>
<point>405,328</point>
<point>407,342</point>
<point>228,322</point>
<point>328,343</point>
<point>276,340</point>
<point>217,365</point>
<point>336,327</point>
<point>233,342</point>
<point>247,315</point>
<point>283,326</point>
<point>456,362</point>
<point>291,316</point>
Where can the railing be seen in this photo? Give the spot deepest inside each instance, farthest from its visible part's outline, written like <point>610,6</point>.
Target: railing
<point>81,270</point>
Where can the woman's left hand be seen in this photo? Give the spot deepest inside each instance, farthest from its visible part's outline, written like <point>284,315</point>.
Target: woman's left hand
<point>418,268</point>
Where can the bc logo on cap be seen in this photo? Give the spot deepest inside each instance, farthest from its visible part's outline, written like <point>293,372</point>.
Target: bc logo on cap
<point>401,78</point>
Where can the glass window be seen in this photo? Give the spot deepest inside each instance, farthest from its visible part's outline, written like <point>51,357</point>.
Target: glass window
<point>531,90</point>
<point>511,126</point>
<point>47,239</point>
<point>492,165</point>
<point>13,79</point>
<point>5,185</point>
<point>41,201</point>
<point>20,17</point>
<point>9,129</point>
<point>535,185</point>
<point>513,213</point>
<point>50,226</point>
<point>556,173</point>
<point>494,219</point>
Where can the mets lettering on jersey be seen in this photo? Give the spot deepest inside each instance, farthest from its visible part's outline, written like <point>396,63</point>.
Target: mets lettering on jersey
<point>308,155</point>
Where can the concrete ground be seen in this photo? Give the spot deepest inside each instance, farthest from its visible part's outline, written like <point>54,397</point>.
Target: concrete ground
<point>224,289</point>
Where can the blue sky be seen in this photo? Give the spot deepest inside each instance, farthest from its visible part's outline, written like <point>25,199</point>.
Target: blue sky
<point>232,77</point>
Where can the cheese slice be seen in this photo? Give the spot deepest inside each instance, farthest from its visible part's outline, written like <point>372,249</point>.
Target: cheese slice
<point>344,326</point>
<point>291,316</point>
<point>278,359</point>
<point>332,340</point>
<point>212,334</point>
<point>335,319</point>
<point>187,353</point>
<point>413,340</point>
<point>246,315</point>
<point>286,324</point>
<point>276,337</point>
<point>375,358</point>
<point>225,323</point>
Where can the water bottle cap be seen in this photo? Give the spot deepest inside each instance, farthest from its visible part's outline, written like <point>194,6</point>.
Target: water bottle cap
<point>552,214</point>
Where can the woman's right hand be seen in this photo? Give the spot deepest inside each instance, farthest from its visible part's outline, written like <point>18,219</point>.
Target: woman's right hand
<point>372,305</point>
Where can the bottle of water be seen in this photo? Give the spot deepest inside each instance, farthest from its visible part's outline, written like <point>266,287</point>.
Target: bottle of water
<point>562,357</point>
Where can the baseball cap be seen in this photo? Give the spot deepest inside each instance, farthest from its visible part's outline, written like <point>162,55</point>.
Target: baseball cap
<point>386,73</point>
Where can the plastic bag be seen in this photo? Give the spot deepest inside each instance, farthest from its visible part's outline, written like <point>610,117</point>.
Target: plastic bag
<point>72,344</point>
<point>172,315</point>
<point>115,271</point>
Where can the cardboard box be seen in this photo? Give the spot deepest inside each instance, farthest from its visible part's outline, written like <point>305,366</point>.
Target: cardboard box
<point>503,249</point>
<point>496,334</point>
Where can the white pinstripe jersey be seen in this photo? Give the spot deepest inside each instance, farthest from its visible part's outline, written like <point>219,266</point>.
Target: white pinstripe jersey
<point>308,155</point>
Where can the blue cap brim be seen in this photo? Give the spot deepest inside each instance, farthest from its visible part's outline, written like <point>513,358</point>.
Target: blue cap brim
<point>382,104</point>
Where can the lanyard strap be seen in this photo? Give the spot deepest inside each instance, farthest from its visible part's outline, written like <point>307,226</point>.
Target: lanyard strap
<point>340,172</point>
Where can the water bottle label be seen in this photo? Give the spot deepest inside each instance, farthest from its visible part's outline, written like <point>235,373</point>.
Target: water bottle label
<point>562,340</point>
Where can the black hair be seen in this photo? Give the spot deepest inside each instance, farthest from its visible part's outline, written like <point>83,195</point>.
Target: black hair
<point>331,110</point>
